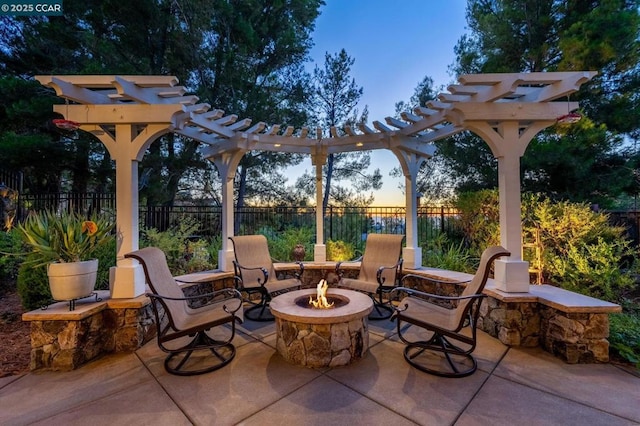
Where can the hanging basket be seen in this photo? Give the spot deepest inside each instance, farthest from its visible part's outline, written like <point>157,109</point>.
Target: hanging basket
<point>67,125</point>
<point>572,117</point>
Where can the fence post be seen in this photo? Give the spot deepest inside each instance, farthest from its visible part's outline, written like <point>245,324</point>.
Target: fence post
<point>331,222</point>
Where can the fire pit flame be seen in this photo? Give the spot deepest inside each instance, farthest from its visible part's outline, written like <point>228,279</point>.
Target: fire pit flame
<point>321,301</point>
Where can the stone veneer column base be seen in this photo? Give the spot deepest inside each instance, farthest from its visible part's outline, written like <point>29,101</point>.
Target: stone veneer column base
<point>64,340</point>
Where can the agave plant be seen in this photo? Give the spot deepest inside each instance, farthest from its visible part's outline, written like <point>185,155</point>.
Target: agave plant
<point>66,237</point>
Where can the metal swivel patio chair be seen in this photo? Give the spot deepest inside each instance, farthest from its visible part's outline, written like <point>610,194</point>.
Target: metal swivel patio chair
<point>175,319</point>
<point>255,273</point>
<point>379,272</point>
<point>438,355</point>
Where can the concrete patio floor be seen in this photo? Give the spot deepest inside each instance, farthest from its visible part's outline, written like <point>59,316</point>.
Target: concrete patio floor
<point>511,386</point>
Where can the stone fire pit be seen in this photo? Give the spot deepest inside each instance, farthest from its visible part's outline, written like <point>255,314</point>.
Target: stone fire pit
<point>315,337</point>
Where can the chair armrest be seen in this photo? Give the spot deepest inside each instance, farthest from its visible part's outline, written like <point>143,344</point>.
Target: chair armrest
<point>434,280</point>
<point>426,296</point>
<point>300,271</point>
<point>237,270</point>
<point>380,278</point>
<point>340,272</point>
<point>232,294</point>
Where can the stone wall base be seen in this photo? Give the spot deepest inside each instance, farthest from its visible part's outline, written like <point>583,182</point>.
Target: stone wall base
<point>571,326</point>
<point>63,340</point>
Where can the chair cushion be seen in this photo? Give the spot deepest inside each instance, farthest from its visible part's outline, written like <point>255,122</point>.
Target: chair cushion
<point>365,286</point>
<point>421,311</point>
<point>211,313</point>
<point>280,285</point>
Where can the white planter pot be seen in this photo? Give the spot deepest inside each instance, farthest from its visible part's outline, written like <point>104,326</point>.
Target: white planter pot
<point>74,280</point>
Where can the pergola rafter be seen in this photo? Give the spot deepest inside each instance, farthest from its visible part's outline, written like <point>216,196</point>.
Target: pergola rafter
<point>127,113</point>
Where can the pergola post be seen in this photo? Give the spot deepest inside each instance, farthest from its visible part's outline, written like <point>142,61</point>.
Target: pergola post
<point>508,141</point>
<point>411,163</point>
<point>320,248</point>
<point>126,279</point>
<point>227,164</point>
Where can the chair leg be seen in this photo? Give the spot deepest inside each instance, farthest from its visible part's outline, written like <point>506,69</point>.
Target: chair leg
<point>177,362</point>
<point>457,361</point>
<point>381,310</point>
<point>260,312</point>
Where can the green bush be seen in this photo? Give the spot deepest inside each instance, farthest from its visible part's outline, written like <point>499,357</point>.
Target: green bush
<point>106,256</point>
<point>33,286</point>
<point>184,253</point>
<point>624,336</point>
<point>451,257</point>
<point>591,269</point>
<point>580,250</point>
<point>339,251</point>
<point>281,244</point>
<point>479,218</point>
<point>10,259</point>
<point>214,247</point>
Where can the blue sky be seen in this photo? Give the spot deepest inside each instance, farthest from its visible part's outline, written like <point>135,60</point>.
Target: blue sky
<point>395,44</point>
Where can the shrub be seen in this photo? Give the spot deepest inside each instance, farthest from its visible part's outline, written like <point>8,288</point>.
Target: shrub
<point>338,251</point>
<point>214,247</point>
<point>624,336</point>
<point>282,244</point>
<point>10,258</point>
<point>580,250</point>
<point>479,217</point>
<point>33,285</point>
<point>591,269</point>
<point>184,252</point>
<point>106,255</point>
<point>451,257</point>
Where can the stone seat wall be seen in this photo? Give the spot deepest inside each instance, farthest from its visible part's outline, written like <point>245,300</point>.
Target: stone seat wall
<point>569,325</point>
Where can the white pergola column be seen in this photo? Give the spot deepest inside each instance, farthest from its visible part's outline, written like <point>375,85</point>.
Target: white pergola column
<point>227,164</point>
<point>126,279</point>
<point>411,252</point>
<point>318,159</point>
<point>508,141</point>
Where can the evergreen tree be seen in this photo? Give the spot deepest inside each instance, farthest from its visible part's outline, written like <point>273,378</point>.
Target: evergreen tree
<point>589,161</point>
<point>336,95</point>
<point>242,57</point>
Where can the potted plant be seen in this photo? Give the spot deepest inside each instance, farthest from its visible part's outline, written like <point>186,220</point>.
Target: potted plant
<point>65,243</point>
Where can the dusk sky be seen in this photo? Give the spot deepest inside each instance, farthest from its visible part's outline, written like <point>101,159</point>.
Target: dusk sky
<point>394,45</point>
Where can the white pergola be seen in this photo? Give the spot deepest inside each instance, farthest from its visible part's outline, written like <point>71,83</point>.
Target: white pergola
<point>128,113</point>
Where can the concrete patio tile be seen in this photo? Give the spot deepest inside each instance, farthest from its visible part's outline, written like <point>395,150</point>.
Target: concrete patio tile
<point>502,402</point>
<point>255,379</point>
<point>41,395</point>
<point>259,330</point>
<point>602,386</point>
<point>4,381</point>
<point>383,328</point>
<point>325,402</point>
<point>386,378</point>
<point>146,404</point>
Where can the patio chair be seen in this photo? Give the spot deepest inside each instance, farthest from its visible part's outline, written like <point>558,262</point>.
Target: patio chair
<point>254,271</point>
<point>427,311</point>
<point>380,268</point>
<point>175,319</point>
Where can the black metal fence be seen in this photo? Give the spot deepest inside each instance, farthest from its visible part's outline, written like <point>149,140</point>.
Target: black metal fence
<point>341,223</point>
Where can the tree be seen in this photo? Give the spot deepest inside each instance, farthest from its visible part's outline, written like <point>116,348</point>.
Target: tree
<point>241,57</point>
<point>589,162</point>
<point>335,98</point>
